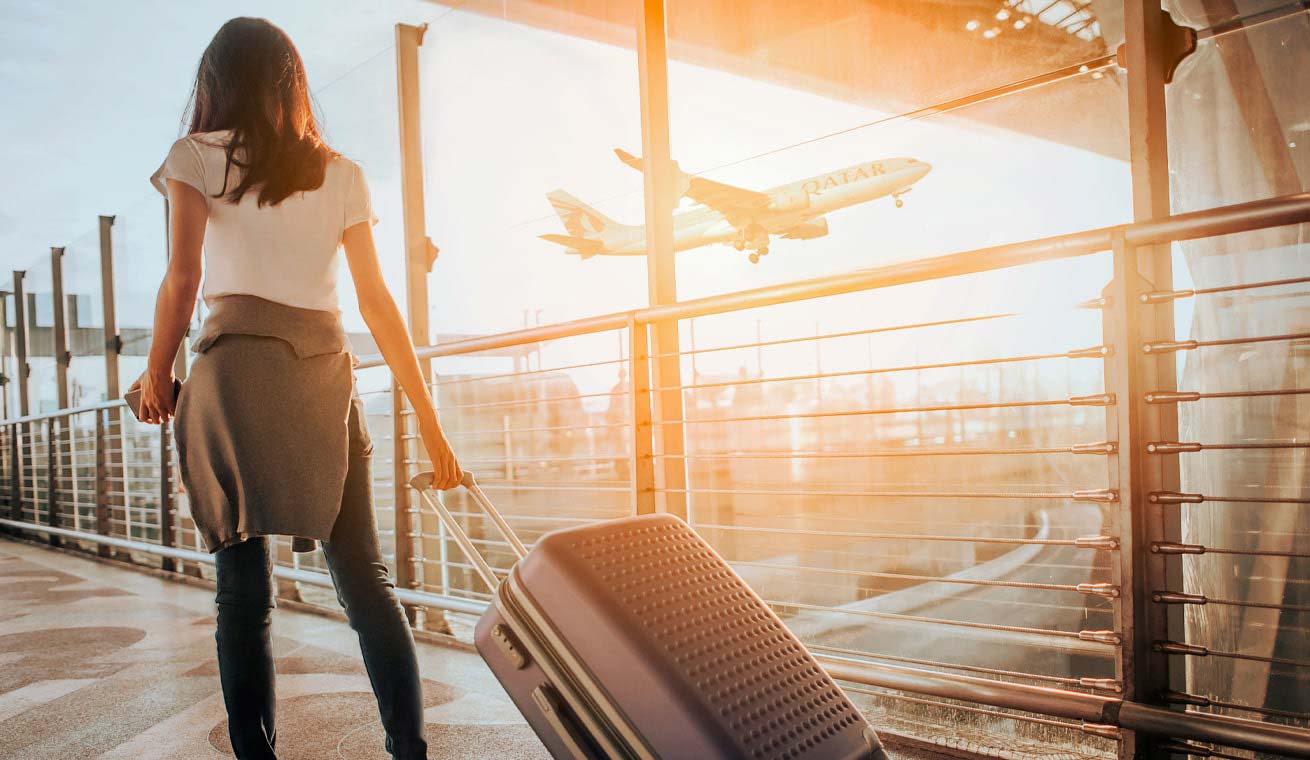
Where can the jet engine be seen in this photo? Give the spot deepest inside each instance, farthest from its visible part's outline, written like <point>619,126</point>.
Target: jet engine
<point>815,228</point>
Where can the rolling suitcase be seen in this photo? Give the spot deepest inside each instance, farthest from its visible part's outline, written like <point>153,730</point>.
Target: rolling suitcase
<point>632,638</point>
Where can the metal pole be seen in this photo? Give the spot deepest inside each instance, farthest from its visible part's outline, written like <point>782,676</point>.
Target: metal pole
<point>113,344</point>
<point>661,273</point>
<point>60,308</point>
<point>102,479</point>
<point>4,354</point>
<point>51,480</point>
<point>1136,475</point>
<point>114,460</point>
<point>55,446</point>
<point>167,506</point>
<point>420,253</point>
<point>22,431</point>
<point>1148,57</point>
<point>404,521</point>
<point>643,460</point>
<point>21,369</point>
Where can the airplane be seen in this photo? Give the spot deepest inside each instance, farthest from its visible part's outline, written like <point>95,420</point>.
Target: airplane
<point>744,219</point>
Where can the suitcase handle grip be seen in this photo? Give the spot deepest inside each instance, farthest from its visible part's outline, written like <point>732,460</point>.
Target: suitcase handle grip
<point>422,483</point>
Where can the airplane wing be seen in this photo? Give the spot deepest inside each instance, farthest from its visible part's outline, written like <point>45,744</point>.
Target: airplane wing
<point>729,200</point>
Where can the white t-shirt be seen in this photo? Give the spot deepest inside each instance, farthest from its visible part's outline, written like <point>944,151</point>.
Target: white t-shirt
<point>287,253</point>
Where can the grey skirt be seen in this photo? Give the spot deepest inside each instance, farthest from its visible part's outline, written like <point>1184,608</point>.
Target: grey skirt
<point>265,422</point>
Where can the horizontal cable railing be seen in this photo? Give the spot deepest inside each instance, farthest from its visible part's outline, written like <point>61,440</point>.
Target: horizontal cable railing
<point>918,578</point>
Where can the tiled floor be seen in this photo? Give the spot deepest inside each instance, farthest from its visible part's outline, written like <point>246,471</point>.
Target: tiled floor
<point>102,662</point>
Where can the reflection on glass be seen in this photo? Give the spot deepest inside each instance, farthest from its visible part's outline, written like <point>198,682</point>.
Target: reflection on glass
<point>1249,369</point>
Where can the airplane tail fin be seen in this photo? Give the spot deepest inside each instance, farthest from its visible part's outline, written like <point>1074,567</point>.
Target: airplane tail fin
<point>578,246</point>
<point>580,220</point>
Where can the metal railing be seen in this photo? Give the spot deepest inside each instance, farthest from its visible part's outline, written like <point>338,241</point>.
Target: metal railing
<point>942,528</point>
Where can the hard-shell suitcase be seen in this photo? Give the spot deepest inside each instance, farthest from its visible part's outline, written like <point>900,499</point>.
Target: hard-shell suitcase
<point>632,638</point>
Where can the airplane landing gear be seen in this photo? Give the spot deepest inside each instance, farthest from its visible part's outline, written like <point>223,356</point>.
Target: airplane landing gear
<point>897,196</point>
<point>757,253</point>
<point>755,258</point>
<point>900,203</point>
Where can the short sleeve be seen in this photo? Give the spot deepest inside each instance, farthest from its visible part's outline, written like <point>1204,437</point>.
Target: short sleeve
<point>359,206</point>
<point>184,164</point>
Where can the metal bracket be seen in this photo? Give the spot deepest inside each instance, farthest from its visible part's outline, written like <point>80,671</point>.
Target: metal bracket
<point>1175,44</point>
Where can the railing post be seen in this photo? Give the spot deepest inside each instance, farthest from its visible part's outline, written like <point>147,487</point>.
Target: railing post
<point>403,520</point>
<point>21,369</point>
<point>63,359</point>
<point>4,354</point>
<point>642,457</point>
<point>4,400</point>
<point>661,274</point>
<point>167,511</point>
<point>21,374</point>
<point>115,460</point>
<point>52,470</point>
<point>1132,422</point>
<point>420,253</point>
<point>102,480</point>
<point>1150,52</point>
<point>59,306</point>
<point>113,343</point>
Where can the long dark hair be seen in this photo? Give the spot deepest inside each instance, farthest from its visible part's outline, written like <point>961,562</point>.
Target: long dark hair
<point>251,80</point>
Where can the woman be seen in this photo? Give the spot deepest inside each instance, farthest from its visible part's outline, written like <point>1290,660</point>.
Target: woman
<point>269,425</point>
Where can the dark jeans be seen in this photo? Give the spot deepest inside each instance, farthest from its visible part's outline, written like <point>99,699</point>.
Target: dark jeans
<point>366,592</point>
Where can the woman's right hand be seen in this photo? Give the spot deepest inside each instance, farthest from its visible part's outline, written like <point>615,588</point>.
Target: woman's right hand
<point>446,473</point>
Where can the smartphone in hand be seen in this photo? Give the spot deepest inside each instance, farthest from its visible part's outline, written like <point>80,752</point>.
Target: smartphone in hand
<point>133,398</point>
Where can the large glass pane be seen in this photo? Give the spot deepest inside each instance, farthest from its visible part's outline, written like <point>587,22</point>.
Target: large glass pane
<point>816,166</point>
<point>140,259</point>
<point>519,120</point>
<point>86,317</point>
<point>1239,113</point>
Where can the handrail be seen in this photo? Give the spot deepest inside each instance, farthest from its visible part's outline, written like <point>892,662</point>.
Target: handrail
<point>1224,220</point>
<point>66,412</point>
<point>1087,708</point>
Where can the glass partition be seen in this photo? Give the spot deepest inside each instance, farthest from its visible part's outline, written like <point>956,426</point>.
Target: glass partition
<point>520,121</point>
<point>140,259</point>
<point>86,319</point>
<point>804,155</point>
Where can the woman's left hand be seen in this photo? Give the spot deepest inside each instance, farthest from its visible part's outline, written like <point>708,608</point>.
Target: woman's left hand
<point>157,400</point>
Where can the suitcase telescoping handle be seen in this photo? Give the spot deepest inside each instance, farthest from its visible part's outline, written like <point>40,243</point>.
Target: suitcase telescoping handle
<point>422,483</point>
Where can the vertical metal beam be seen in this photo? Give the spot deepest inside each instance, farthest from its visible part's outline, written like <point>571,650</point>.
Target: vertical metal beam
<point>1130,373</point>
<point>102,477</point>
<point>167,504</point>
<point>419,251</point>
<point>21,368</point>
<point>661,273</point>
<point>52,473</point>
<point>115,461</point>
<point>4,354</point>
<point>1147,62</point>
<point>113,344</point>
<point>404,522</point>
<point>60,307</point>
<point>639,397</point>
